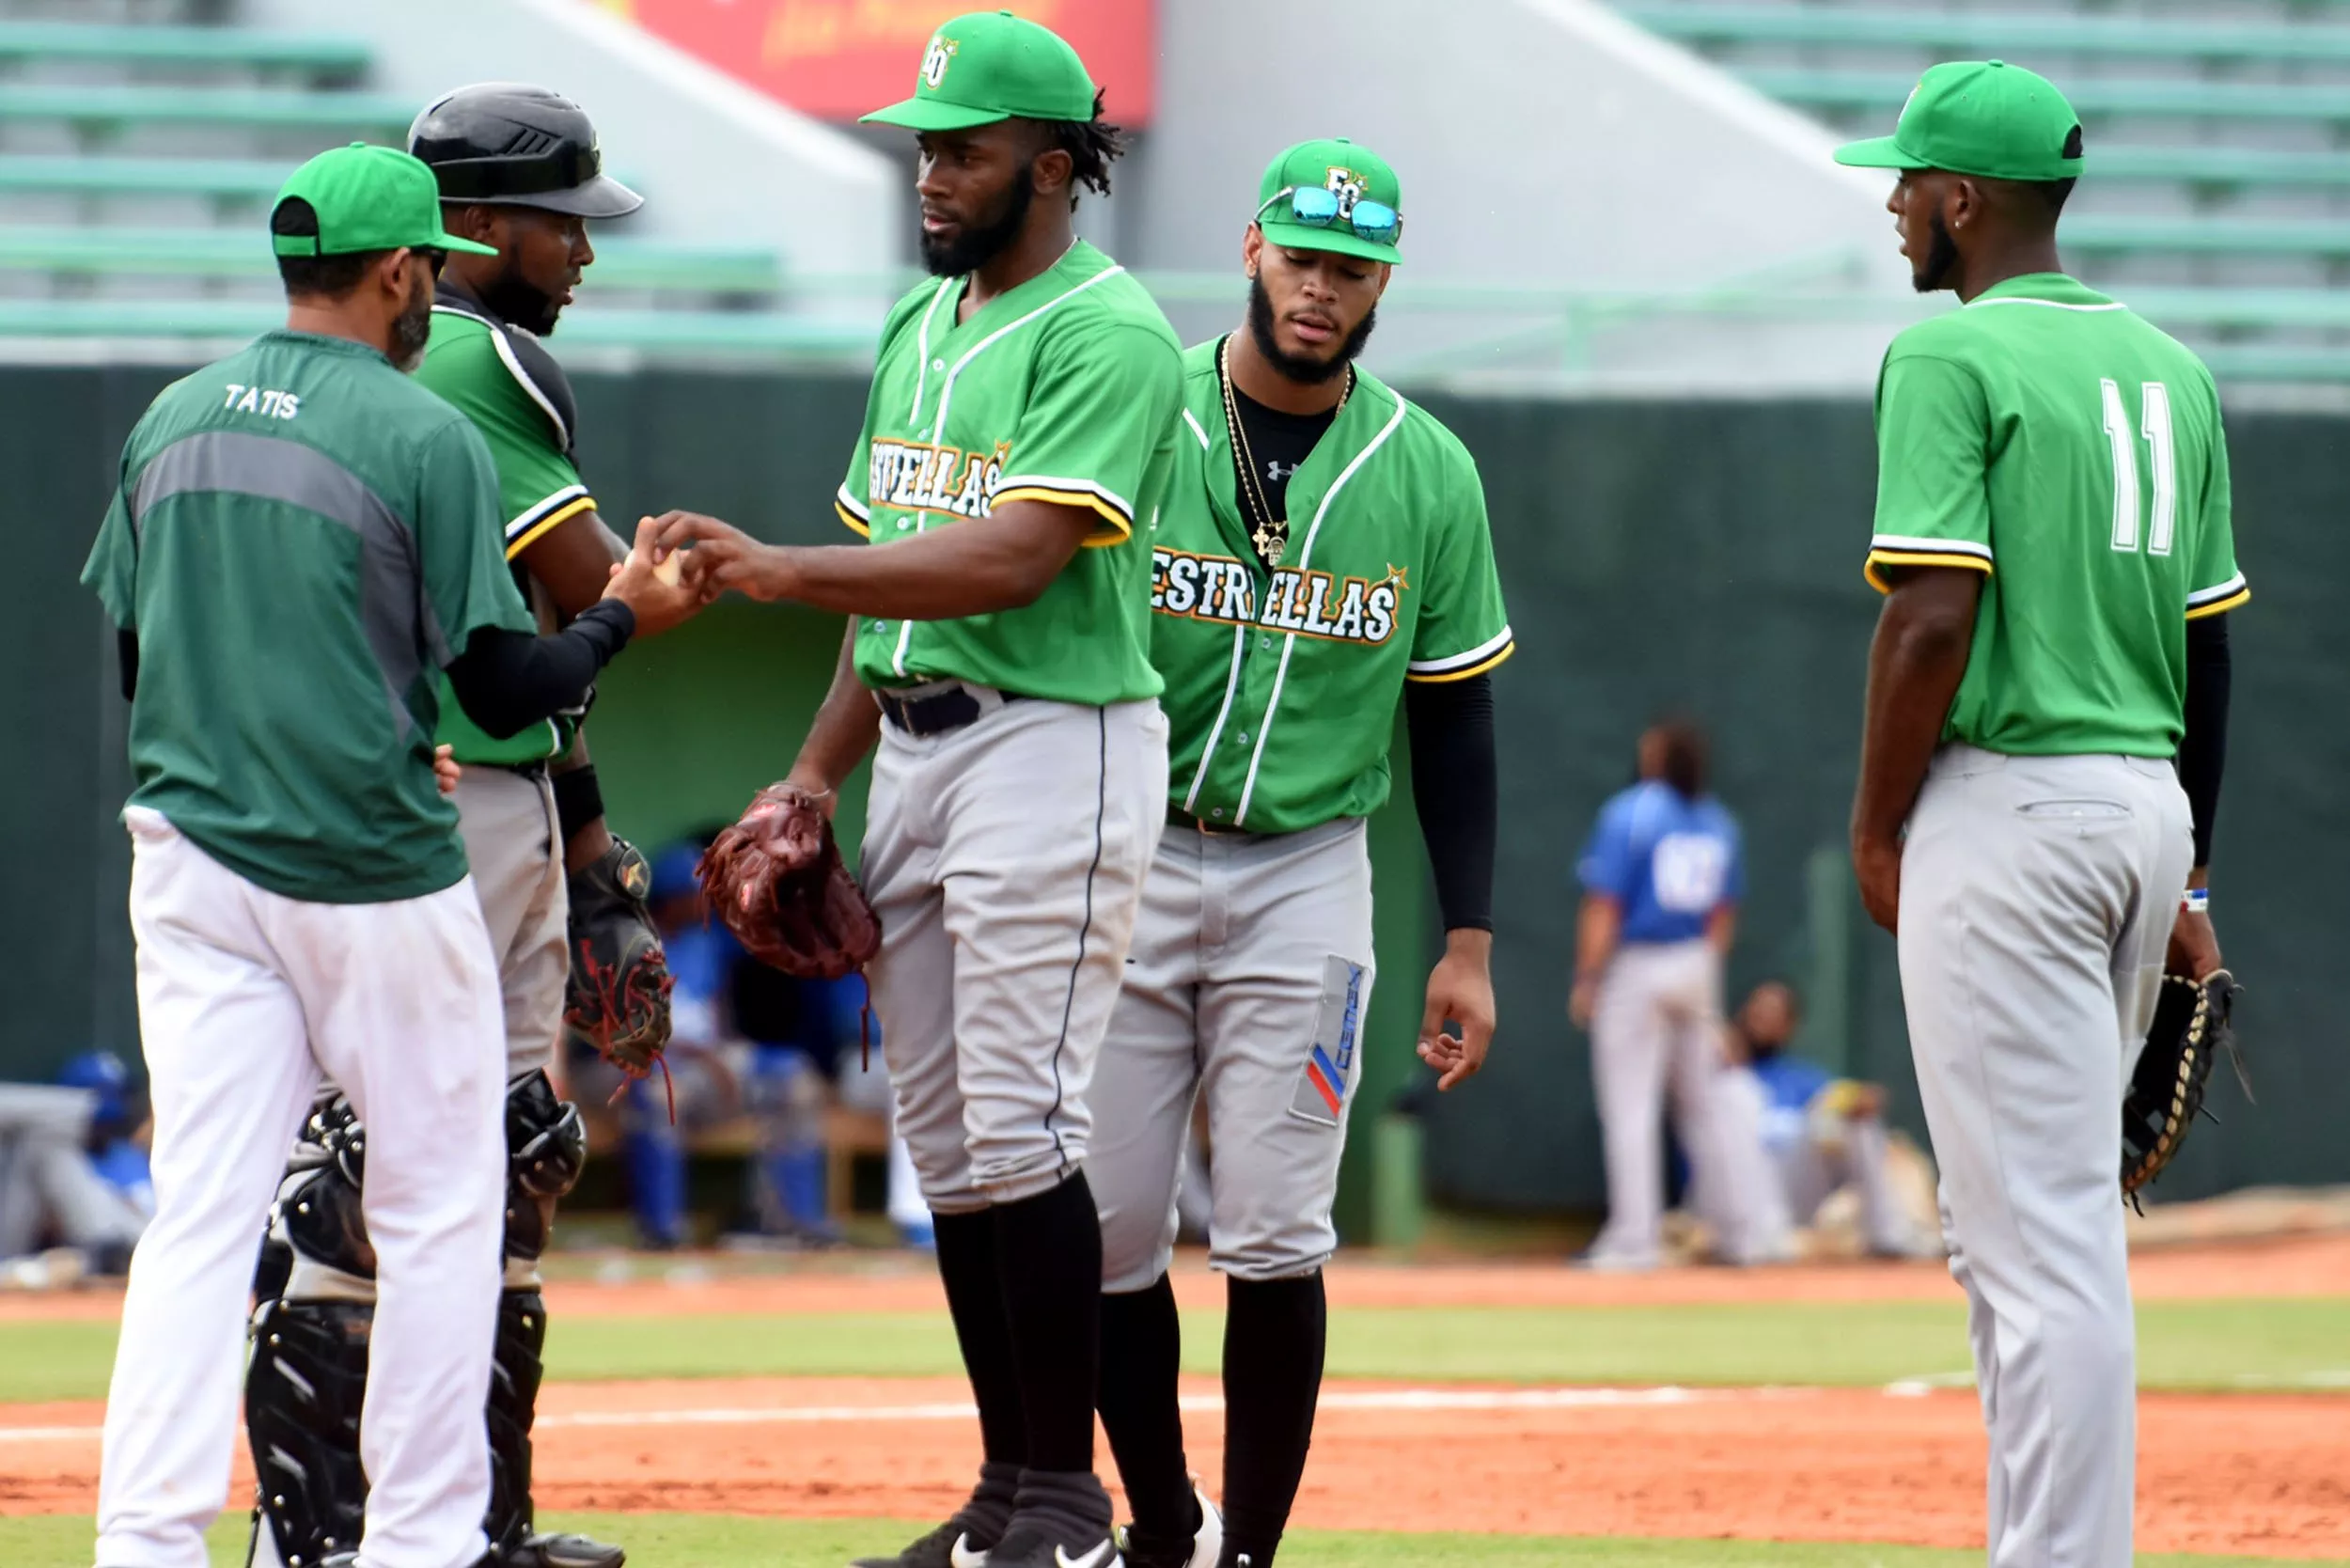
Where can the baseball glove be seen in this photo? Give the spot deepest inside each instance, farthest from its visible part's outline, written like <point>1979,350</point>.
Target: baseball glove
<point>2166,1094</point>
<point>618,999</point>
<point>777,879</point>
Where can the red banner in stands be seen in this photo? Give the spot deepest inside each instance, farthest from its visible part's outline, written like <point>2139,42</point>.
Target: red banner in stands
<point>836,59</point>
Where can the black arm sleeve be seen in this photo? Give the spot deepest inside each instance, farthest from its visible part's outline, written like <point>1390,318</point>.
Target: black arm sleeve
<point>127,654</point>
<point>1455,789</point>
<point>2203,749</point>
<point>508,680</point>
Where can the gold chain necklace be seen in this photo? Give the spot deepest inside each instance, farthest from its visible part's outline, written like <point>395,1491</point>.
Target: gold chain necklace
<point>1268,533</point>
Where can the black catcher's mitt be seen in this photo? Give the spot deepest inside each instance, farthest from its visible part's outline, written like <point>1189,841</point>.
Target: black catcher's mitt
<point>2166,1094</point>
<point>618,995</point>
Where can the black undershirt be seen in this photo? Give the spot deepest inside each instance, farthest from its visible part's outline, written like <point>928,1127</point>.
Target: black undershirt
<point>1278,441</point>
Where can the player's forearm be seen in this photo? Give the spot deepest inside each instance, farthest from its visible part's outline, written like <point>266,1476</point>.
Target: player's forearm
<point>2203,746</point>
<point>1450,726</point>
<point>1000,562</point>
<point>579,805</point>
<point>1597,927</point>
<point>1721,929</point>
<point>573,560</point>
<point>1915,662</point>
<point>845,726</point>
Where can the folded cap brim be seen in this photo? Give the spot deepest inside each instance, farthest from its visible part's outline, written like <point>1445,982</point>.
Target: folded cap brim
<point>1298,236</point>
<point>930,114</point>
<point>1877,153</point>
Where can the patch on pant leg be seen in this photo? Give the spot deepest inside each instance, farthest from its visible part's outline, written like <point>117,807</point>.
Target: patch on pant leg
<point>1329,1067</point>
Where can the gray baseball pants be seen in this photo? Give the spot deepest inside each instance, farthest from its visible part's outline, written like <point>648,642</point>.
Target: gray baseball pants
<point>1251,975</point>
<point>1005,860</point>
<point>2038,895</point>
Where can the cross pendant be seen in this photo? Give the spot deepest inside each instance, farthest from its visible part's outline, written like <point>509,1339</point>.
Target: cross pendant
<point>1268,542</point>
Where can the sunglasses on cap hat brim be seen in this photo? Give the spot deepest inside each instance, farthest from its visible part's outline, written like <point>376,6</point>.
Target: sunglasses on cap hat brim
<point>1318,206</point>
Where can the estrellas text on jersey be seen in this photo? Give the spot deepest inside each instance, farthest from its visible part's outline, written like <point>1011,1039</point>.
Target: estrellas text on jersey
<point>915,476</point>
<point>1310,603</point>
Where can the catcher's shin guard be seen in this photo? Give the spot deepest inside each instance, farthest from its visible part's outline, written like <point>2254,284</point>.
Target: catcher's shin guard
<point>301,1398</point>
<point>516,1368</point>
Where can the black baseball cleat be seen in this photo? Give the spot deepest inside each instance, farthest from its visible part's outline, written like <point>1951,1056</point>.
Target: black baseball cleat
<point>1202,1548</point>
<point>950,1545</point>
<point>560,1551</point>
<point>1027,1547</point>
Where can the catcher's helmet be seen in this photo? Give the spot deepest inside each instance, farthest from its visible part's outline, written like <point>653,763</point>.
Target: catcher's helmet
<point>507,144</point>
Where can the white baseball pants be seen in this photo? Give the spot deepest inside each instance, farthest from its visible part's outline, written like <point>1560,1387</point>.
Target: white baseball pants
<point>244,998</point>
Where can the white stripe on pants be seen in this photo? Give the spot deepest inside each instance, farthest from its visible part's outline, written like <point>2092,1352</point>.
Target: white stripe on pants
<point>244,997</point>
<point>2038,895</point>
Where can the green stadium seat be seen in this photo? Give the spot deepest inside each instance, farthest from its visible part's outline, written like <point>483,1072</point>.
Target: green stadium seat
<point>240,252</point>
<point>221,48</point>
<point>696,332</point>
<point>221,178</point>
<point>340,113</point>
<point>2219,166</point>
<point>2009,34</point>
<point>2191,100</point>
<point>2198,236</point>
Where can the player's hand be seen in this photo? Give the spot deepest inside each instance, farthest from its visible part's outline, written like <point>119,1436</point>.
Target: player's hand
<point>722,559</point>
<point>1877,865</point>
<point>1582,1000</point>
<point>653,590</point>
<point>445,772</point>
<point>2194,946</point>
<point>1461,990</point>
<point>826,793</point>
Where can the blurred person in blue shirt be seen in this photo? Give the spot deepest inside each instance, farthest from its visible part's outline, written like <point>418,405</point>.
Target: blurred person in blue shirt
<point>1662,876</point>
<point>1818,1132</point>
<point>72,1170</point>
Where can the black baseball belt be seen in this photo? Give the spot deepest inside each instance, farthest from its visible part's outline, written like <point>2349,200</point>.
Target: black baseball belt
<point>936,713</point>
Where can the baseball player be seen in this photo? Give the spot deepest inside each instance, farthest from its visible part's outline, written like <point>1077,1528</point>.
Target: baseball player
<point>518,172</point>
<point>2052,536</point>
<point>300,538</point>
<point>1662,875</point>
<point>1323,550</point>
<point>1017,443</point>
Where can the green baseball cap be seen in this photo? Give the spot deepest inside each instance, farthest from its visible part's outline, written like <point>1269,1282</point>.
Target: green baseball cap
<point>1983,117</point>
<point>990,65</point>
<point>367,198</point>
<point>1350,172</point>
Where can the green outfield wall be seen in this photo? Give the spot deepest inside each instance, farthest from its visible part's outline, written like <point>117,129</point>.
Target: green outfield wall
<point>1657,555</point>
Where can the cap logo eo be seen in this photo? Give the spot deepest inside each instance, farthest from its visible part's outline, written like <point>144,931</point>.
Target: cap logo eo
<point>935,60</point>
<point>1347,186</point>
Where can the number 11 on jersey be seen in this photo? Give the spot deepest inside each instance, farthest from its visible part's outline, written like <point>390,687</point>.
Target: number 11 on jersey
<point>2155,424</point>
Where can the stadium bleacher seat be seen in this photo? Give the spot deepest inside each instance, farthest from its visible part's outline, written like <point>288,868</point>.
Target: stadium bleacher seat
<point>339,113</point>
<point>230,48</point>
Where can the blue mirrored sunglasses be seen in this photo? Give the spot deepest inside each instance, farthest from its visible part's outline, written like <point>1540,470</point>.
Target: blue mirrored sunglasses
<point>1318,206</point>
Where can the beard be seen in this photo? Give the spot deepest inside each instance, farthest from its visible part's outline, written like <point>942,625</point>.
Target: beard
<point>1303,369</point>
<point>1941,261</point>
<point>518,304</point>
<point>412,327</point>
<point>976,245</point>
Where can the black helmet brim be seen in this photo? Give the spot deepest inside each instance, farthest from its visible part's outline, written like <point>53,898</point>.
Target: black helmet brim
<point>601,197</point>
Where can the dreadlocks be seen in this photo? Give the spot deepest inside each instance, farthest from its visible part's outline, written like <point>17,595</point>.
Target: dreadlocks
<point>1092,146</point>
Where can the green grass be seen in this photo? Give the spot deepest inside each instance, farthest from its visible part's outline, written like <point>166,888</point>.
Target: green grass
<point>2215,1344</point>
<point>728,1541</point>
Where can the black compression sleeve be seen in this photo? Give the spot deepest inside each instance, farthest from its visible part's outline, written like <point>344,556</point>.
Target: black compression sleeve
<point>127,651</point>
<point>508,680</point>
<point>1455,787</point>
<point>2203,749</point>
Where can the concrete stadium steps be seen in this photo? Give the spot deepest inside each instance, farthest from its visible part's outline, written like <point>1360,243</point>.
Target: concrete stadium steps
<point>2218,137</point>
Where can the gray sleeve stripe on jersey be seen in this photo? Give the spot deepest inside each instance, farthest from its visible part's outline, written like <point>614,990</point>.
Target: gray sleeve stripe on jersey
<point>2227,590</point>
<point>272,468</point>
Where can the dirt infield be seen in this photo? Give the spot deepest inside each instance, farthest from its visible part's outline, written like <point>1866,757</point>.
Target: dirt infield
<point>2241,1473</point>
<point>2237,1473</point>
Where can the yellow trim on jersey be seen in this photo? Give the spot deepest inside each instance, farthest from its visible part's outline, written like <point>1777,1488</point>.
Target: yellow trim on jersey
<point>1916,557</point>
<point>2219,606</point>
<point>1441,678</point>
<point>857,524</point>
<point>1121,527</point>
<point>539,530</point>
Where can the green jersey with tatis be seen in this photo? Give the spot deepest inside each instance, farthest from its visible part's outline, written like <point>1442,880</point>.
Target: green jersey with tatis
<point>2047,437</point>
<point>1064,389</point>
<point>1281,682</point>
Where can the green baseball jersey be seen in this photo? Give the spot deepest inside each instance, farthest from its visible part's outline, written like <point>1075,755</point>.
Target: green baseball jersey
<point>301,539</point>
<point>2047,437</point>
<point>1064,390</point>
<point>518,399</point>
<point>1281,683</point>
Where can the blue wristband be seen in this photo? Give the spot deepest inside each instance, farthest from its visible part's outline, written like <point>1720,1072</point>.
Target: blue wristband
<point>2197,900</point>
